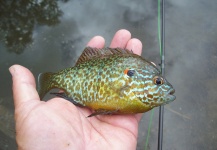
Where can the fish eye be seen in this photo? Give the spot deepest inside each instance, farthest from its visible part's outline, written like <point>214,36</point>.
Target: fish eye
<point>129,72</point>
<point>158,80</point>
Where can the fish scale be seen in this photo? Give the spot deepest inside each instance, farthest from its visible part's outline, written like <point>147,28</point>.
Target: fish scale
<point>101,81</point>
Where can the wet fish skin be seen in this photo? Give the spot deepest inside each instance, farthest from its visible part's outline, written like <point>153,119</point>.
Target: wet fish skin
<point>110,81</point>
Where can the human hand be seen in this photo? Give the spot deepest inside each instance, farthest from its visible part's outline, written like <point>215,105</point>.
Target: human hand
<point>58,124</point>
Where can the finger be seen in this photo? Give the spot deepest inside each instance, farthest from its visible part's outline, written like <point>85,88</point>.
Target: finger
<point>120,39</point>
<point>97,42</point>
<point>138,116</point>
<point>24,87</point>
<point>135,45</point>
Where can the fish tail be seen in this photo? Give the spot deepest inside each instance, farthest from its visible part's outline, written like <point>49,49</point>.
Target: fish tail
<point>44,83</point>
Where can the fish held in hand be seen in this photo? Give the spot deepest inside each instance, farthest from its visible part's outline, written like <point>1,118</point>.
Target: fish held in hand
<point>110,81</point>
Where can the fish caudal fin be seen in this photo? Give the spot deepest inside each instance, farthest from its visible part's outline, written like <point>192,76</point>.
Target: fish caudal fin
<point>44,83</point>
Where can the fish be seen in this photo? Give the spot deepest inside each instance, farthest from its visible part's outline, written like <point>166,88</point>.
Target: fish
<point>110,81</point>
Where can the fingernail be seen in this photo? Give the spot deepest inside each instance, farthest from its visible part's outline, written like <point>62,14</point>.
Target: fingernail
<point>12,70</point>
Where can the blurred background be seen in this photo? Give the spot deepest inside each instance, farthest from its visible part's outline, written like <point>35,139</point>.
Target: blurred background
<point>50,35</point>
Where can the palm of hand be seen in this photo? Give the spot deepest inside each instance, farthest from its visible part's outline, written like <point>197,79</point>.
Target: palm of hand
<point>58,124</point>
<point>67,127</point>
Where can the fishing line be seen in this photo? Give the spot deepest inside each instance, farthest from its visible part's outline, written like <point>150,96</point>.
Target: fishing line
<point>161,39</point>
<point>149,129</point>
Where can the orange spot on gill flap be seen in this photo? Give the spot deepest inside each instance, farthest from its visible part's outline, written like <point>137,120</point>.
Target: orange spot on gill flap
<point>125,71</point>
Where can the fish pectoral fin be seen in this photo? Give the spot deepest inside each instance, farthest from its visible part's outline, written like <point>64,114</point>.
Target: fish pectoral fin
<point>63,95</point>
<point>123,90</point>
<point>103,112</point>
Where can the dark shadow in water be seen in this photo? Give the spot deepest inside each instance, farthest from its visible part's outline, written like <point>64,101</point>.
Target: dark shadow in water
<point>18,19</point>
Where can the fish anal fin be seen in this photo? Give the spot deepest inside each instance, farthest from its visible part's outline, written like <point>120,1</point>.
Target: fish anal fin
<point>103,112</point>
<point>63,95</point>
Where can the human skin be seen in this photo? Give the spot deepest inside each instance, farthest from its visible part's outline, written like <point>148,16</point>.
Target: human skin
<point>58,124</point>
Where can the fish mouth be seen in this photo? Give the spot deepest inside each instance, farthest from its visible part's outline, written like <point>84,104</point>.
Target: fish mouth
<point>170,97</point>
<point>171,91</point>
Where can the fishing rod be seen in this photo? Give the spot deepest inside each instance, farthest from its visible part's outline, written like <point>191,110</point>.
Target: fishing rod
<point>161,39</point>
<point>161,10</point>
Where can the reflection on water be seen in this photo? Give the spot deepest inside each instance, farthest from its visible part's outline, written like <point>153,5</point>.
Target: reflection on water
<point>19,18</point>
<point>7,126</point>
<point>68,51</point>
<point>6,121</point>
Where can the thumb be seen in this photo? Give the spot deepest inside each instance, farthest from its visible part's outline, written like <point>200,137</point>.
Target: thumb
<point>24,87</point>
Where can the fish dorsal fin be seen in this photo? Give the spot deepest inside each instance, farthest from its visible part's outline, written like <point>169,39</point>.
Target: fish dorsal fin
<point>91,53</point>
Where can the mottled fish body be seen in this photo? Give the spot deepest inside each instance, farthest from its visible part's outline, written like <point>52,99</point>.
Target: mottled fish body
<point>110,81</point>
